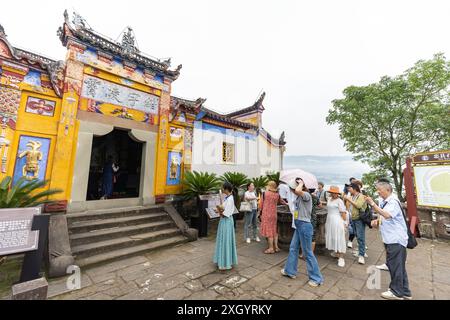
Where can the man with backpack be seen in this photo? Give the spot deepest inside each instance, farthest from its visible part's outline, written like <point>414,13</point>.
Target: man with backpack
<point>394,231</point>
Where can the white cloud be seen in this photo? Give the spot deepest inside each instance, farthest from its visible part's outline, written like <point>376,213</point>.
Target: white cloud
<point>302,53</point>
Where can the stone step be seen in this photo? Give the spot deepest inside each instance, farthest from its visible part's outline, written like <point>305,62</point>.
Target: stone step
<point>90,225</point>
<point>129,252</point>
<point>86,250</point>
<point>112,213</point>
<point>118,232</point>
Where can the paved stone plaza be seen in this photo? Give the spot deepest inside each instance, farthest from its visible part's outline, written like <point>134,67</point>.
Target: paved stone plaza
<point>187,272</point>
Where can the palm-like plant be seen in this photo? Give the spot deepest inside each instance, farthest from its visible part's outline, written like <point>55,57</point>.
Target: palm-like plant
<point>259,183</point>
<point>273,176</point>
<point>24,193</point>
<point>196,183</point>
<point>238,181</point>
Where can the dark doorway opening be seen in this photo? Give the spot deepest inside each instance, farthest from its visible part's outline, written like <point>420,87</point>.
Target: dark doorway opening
<point>115,167</point>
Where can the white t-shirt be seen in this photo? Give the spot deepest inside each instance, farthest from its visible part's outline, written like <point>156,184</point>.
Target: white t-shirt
<point>251,195</point>
<point>228,206</point>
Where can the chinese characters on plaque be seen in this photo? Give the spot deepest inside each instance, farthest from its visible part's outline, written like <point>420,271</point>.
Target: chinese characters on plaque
<point>108,92</point>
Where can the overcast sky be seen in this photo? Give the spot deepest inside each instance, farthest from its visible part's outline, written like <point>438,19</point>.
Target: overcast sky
<point>302,53</point>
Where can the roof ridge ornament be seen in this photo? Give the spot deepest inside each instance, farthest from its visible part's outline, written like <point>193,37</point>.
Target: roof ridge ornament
<point>79,22</point>
<point>128,42</point>
<point>2,31</point>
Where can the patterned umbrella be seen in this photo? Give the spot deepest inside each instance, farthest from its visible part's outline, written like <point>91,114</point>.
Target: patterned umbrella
<point>309,179</point>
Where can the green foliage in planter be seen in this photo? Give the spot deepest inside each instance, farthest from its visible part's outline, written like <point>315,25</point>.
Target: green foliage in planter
<point>24,193</point>
<point>238,181</point>
<point>273,176</point>
<point>259,183</point>
<point>196,183</point>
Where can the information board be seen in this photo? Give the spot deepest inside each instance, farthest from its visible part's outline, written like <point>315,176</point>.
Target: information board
<point>16,235</point>
<point>433,185</point>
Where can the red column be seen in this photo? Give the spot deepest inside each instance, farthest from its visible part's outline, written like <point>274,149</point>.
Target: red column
<point>410,196</point>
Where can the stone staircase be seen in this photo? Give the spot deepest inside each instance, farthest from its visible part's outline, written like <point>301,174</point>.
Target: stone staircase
<point>102,236</point>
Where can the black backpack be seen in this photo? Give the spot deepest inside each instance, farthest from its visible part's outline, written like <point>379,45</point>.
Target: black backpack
<point>366,216</point>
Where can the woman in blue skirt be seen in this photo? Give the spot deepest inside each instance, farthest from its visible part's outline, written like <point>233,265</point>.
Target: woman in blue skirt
<point>225,254</point>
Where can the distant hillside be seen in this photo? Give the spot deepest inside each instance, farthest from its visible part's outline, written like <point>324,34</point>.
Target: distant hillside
<point>332,170</point>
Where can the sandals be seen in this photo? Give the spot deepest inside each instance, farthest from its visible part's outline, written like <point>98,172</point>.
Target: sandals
<point>269,251</point>
<point>277,250</point>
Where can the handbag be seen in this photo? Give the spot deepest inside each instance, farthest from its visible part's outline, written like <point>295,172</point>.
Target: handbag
<point>245,207</point>
<point>412,241</point>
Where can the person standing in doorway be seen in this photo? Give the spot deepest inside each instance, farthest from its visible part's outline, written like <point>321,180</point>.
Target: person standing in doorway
<point>109,169</point>
<point>225,254</point>
<point>250,217</point>
<point>357,204</point>
<point>303,233</point>
<point>394,232</point>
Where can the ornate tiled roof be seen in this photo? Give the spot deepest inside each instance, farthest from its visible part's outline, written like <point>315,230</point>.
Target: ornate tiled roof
<point>204,113</point>
<point>80,30</point>
<point>276,142</point>
<point>36,61</point>
<point>257,106</point>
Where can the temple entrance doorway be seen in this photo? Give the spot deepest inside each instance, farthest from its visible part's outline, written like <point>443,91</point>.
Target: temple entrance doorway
<point>115,166</point>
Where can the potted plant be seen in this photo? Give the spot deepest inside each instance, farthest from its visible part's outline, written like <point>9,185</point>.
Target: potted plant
<point>238,181</point>
<point>273,176</point>
<point>196,184</point>
<point>260,183</point>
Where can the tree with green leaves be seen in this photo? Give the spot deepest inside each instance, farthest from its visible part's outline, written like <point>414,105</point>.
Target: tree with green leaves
<point>384,122</point>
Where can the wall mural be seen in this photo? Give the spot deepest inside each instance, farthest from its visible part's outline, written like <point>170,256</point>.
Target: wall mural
<point>9,104</point>
<point>33,78</point>
<point>176,133</point>
<point>108,92</point>
<point>40,106</point>
<point>32,158</point>
<point>174,168</point>
<point>90,57</point>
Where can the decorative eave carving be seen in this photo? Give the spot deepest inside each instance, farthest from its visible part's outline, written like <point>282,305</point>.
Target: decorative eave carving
<point>188,105</point>
<point>257,106</point>
<point>80,31</point>
<point>55,69</point>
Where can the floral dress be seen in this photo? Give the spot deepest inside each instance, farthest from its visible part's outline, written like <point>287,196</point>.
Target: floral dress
<point>269,214</point>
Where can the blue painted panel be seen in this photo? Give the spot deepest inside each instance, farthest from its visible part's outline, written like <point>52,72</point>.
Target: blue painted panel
<point>20,162</point>
<point>33,78</point>
<point>227,131</point>
<point>174,176</point>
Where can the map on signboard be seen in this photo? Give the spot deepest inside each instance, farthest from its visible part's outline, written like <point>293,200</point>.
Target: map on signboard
<point>432,185</point>
<point>16,235</point>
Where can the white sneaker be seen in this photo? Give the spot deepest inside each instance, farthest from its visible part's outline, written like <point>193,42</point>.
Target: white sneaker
<point>287,275</point>
<point>313,284</point>
<point>382,267</point>
<point>361,260</point>
<point>257,239</point>
<point>356,253</point>
<point>248,240</point>
<point>390,296</point>
<point>349,244</point>
<point>341,262</point>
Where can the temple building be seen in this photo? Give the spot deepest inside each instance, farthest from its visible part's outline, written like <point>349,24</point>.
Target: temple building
<point>109,103</point>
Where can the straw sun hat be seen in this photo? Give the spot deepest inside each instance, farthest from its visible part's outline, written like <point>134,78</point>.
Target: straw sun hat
<point>334,189</point>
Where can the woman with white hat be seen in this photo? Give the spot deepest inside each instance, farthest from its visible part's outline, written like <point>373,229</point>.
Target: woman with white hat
<point>335,226</point>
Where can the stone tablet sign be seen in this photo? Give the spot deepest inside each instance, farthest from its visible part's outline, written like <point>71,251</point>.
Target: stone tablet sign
<point>15,230</point>
<point>213,202</point>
